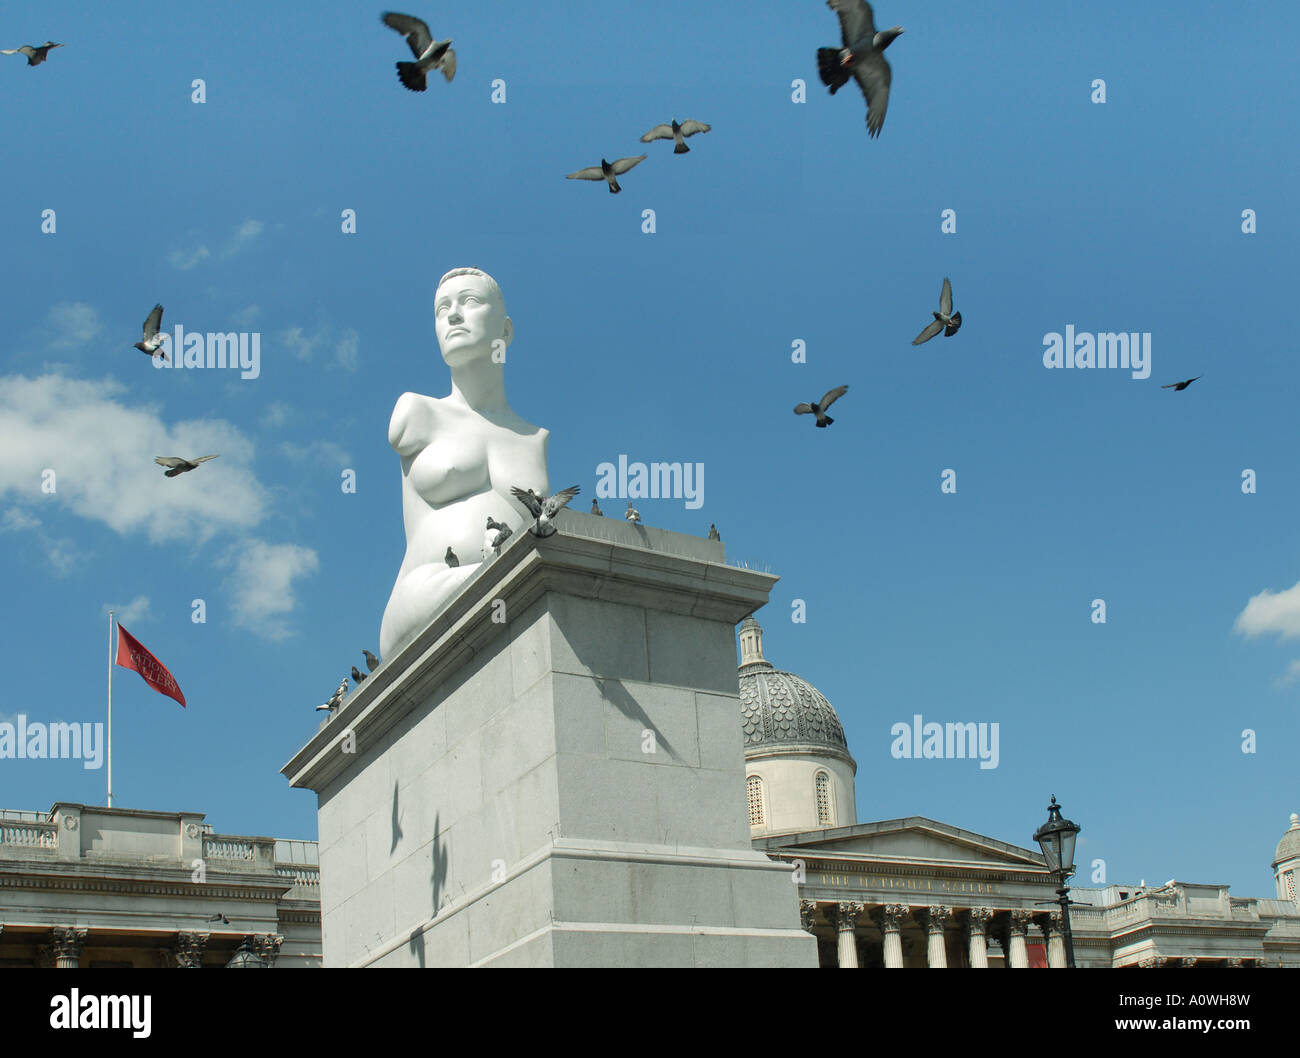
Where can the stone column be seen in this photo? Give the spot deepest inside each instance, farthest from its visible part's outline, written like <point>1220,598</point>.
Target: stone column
<point>1151,962</point>
<point>890,920</point>
<point>846,920</point>
<point>1050,924</point>
<point>977,924</point>
<point>1018,926</point>
<point>187,950</point>
<point>1186,962</point>
<point>935,919</point>
<point>1234,964</point>
<point>807,911</point>
<point>67,942</point>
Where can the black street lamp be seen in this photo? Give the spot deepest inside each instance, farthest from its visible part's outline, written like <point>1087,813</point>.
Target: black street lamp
<point>1056,838</point>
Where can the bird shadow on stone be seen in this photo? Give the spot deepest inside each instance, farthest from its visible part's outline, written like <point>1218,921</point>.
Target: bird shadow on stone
<point>438,875</point>
<point>621,698</point>
<point>416,945</point>
<point>396,823</point>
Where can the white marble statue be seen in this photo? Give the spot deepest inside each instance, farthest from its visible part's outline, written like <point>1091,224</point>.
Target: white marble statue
<point>460,456</point>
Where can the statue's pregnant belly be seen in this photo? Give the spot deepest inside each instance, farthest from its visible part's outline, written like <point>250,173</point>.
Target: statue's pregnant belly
<point>450,469</point>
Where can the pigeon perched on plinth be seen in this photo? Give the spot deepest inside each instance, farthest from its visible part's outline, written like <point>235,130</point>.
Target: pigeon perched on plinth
<point>677,133</point>
<point>372,662</point>
<point>152,341</point>
<point>632,514</point>
<point>35,55</point>
<point>179,465</point>
<point>595,509</point>
<point>819,408</point>
<point>357,675</point>
<point>429,54</point>
<point>713,532</point>
<point>336,699</point>
<point>607,171</point>
<point>544,508</point>
<point>862,57</point>
<point>944,320</point>
<point>450,557</point>
<point>1178,387</point>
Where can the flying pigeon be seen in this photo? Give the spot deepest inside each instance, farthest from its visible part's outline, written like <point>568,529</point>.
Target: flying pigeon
<point>607,171</point>
<point>861,57</point>
<point>500,533</point>
<point>713,532</point>
<point>372,662</point>
<point>357,675</point>
<point>35,56</point>
<point>430,55</point>
<point>595,509</point>
<point>632,514</point>
<point>1178,387</point>
<point>544,508</point>
<point>450,557</point>
<point>676,133</point>
<point>219,917</point>
<point>944,320</point>
<point>152,341</point>
<point>180,466</point>
<point>819,409</point>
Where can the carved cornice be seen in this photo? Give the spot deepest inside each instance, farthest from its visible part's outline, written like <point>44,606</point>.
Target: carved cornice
<point>271,892</point>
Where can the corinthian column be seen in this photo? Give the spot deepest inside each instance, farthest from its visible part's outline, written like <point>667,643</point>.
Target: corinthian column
<point>1050,924</point>
<point>188,950</point>
<point>890,920</point>
<point>807,912</point>
<point>846,920</point>
<point>67,942</point>
<point>977,924</point>
<point>1018,925</point>
<point>935,919</point>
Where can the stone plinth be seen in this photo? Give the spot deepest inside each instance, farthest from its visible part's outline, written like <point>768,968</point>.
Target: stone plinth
<point>552,773</point>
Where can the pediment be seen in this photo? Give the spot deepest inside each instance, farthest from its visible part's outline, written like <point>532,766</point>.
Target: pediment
<point>912,840</point>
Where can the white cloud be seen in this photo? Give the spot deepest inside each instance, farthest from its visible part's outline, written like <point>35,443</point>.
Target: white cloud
<point>1272,612</point>
<point>184,260</point>
<point>15,520</point>
<point>101,450</point>
<point>72,323</point>
<point>60,552</point>
<point>1292,675</point>
<point>326,452</point>
<point>247,316</point>
<point>344,345</point>
<point>131,613</point>
<point>262,584</point>
<point>244,235</point>
<point>277,414</point>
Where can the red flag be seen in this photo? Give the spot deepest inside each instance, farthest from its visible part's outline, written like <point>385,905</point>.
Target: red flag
<point>131,654</point>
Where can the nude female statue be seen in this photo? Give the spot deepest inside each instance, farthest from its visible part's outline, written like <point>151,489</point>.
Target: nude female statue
<point>460,455</point>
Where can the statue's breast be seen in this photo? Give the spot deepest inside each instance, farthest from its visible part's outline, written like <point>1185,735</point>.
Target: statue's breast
<point>450,468</point>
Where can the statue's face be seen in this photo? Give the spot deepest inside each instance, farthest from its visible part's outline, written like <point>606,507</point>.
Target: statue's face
<point>467,319</point>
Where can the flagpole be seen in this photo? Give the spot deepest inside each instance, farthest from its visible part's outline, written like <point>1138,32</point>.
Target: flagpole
<point>111,644</point>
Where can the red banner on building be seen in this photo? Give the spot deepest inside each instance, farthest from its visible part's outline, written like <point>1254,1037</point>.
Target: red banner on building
<point>131,654</point>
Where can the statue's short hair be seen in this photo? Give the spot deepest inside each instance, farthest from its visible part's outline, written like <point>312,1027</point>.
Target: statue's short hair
<point>492,286</point>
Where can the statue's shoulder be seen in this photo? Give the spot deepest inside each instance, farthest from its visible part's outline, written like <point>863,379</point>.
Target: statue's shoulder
<point>412,423</point>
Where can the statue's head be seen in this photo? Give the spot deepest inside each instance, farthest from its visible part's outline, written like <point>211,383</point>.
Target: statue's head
<point>469,315</point>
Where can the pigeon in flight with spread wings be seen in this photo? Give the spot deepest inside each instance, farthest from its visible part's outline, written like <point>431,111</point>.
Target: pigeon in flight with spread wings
<point>819,409</point>
<point>151,342</point>
<point>178,465</point>
<point>429,54</point>
<point>544,508</point>
<point>677,133</point>
<point>1178,387</point>
<point>944,320</point>
<point>607,171</point>
<point>35,55</point>
<point>862,57</point>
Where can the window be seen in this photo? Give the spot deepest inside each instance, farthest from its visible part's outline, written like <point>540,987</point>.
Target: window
<point>755,787</point>
<point>824,816</point>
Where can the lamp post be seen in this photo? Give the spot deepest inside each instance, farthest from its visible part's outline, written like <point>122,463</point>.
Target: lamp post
<point>1057,837</point>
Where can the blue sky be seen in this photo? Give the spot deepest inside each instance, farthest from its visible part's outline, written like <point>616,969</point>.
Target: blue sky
<point>785,222</point>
